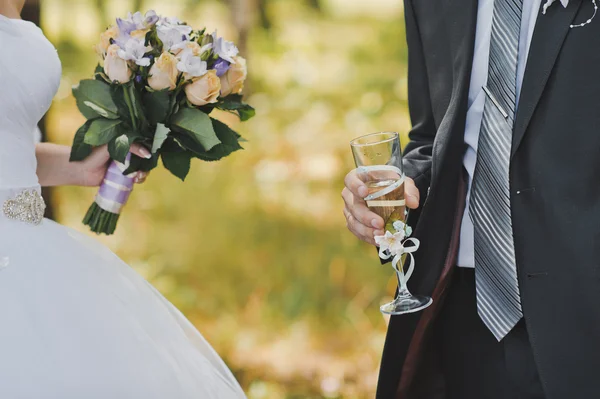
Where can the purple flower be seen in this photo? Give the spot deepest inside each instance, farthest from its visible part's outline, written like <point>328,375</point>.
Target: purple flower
<point>138,79</point>
<point>224,48</point>
<point>126,26</point>
<point>150,18</point>
<point>222,66</point>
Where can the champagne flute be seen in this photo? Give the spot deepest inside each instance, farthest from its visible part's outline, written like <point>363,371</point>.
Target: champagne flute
<point>379,165</point>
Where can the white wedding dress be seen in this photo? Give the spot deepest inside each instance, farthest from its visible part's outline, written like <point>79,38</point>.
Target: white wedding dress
<point>75,321</point>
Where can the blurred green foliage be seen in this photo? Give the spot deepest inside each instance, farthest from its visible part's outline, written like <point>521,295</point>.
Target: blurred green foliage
<point>254,249</point>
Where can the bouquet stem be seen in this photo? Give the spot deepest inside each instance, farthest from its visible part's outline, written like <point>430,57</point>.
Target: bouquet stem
<point>103,214</point>
<point>101,221</point>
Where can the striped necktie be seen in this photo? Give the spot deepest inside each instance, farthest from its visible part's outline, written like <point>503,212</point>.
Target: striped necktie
<point>498,298</point>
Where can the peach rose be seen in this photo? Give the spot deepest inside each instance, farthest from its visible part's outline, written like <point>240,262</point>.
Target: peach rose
<point>116,68</point>
<point>164,73</point>
<point>204,90</point>
<point>232,82</point>
<point>102,47</point>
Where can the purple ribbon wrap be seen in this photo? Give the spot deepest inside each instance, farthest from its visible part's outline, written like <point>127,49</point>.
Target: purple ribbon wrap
<point>115,188</point>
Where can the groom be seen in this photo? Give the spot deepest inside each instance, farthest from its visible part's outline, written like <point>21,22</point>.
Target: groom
<point>505,156</point>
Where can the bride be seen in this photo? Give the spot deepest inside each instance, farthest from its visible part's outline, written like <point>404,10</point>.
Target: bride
<point>75,321</point>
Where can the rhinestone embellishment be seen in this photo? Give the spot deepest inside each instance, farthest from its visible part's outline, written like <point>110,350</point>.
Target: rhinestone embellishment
<point>28,207</point>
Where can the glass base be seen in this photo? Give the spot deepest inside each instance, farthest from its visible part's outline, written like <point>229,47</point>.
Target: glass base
<point>403,305</point>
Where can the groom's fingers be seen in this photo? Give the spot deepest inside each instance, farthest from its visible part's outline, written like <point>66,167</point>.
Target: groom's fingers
<point>359,189</point>
<point>353,196</point>
<point>361,231</point>
<point>360,221</point>
<point>360,212</point>
<point>412,193</point>
<point>355,185</point>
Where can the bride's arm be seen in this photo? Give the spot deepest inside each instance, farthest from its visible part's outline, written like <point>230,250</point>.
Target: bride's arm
<point>54,168</point>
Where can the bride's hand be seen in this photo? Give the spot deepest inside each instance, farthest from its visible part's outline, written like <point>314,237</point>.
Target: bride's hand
<point>94,167</point>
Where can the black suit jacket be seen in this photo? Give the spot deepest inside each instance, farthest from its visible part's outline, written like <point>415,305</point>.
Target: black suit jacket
<point>555,193</point>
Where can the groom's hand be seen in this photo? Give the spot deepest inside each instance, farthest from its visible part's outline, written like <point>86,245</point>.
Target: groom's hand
<point>359,219</point>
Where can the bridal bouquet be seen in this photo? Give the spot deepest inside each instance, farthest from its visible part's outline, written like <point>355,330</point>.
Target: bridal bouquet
<point>159,82</point>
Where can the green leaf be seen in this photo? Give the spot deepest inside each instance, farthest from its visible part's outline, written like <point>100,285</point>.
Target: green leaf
<point>118,148</point>
<point>159,137</point>
<point>177,163</point>
<point>228,138</point>
<point>136,99</point>
<point>153,40</point>
<point>234,103</point>
<point>80,150</point>
<point>197,125</point>
<point>185,141</point>
<point>102,131</point>
<point>102,78</point>
<point>100,75</point>
<point>136,164</point>
<point>171,145</point>
<point>232,99</point>
<point>94,99</point>
<point>116,92</point>
<point>246,113</point>
<point>157,106</point>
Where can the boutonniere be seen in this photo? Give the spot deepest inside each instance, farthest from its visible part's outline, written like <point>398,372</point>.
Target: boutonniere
<point>565,3</point>
<point>548,3</point>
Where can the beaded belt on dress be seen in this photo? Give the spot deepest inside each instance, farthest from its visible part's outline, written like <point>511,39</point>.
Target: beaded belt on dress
<point>23,204</point>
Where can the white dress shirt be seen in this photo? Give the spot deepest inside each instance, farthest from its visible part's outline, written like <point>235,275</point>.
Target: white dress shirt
<point>479,75</point>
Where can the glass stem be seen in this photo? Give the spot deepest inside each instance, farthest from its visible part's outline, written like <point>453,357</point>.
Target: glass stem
<point>403,291</point>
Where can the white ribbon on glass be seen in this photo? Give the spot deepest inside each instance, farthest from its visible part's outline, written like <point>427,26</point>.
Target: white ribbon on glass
<point>395,251</point>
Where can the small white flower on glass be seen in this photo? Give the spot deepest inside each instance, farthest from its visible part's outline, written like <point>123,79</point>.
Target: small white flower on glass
<point>399,225</point>
<point>391,242</point>
<point>224,49</point>
<point>134,50</point>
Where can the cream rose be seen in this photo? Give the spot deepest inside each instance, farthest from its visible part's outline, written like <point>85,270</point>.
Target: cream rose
<point>233,80</point>
<point>204,90</point>
<point>163,74</point>
<point>116,68</point>
<point>110,33</point>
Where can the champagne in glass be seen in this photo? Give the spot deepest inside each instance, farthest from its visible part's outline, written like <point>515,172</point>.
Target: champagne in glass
<point>379,165</point>
<point>384,205</point>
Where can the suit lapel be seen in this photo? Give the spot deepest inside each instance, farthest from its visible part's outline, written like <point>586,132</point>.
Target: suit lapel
<point>550,32</point>
<point>461,24</point>
<point>460,18</point>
